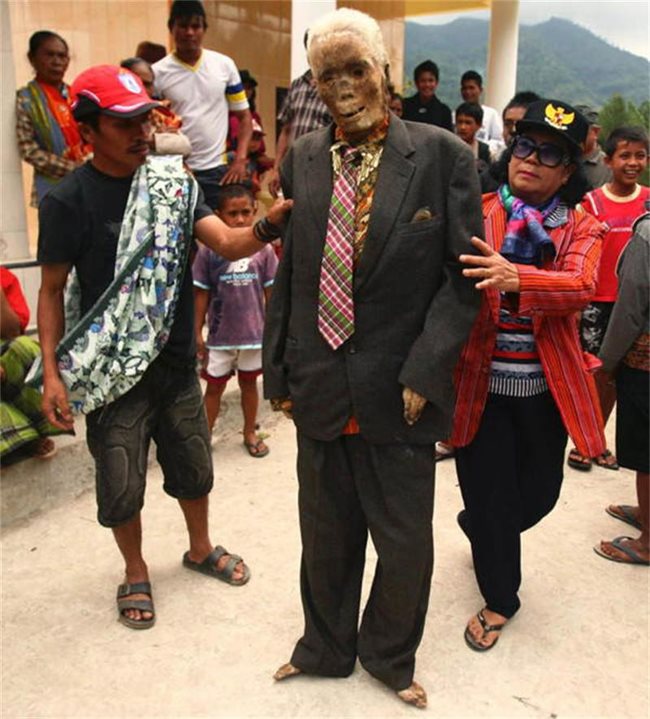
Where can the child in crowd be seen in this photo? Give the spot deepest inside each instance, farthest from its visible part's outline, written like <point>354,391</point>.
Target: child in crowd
<point>258,162</point>
<point>234,294</point>
<point>618,204</point>
<point>469,118</point>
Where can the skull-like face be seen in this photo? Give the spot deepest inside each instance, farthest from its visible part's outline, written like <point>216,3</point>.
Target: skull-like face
<point>349,82</point>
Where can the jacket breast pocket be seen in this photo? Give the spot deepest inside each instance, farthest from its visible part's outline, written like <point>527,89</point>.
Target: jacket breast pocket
<point>423,228</point>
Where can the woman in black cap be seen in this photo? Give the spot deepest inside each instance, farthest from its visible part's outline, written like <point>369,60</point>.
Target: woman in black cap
<point>522,381</point>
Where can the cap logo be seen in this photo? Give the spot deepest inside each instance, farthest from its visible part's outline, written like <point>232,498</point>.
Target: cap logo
<point>129,82</point>
<point>558,118</point>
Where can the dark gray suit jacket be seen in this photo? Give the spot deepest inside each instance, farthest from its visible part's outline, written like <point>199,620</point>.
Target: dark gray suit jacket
<point>413,308</point>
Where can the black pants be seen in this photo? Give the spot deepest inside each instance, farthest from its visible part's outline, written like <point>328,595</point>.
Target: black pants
<point>347,488</point>
<point>510,478</point>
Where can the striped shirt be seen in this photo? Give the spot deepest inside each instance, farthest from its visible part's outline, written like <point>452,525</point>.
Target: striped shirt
<point>302,108</point>
<point>516,370</point>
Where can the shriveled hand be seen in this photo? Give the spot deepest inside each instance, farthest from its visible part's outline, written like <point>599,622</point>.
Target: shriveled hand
<point>413,405</point>
<point>284,405</point>
<point>490,268</point>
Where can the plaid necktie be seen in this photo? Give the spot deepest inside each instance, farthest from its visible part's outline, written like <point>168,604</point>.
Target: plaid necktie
<point>335,304</point>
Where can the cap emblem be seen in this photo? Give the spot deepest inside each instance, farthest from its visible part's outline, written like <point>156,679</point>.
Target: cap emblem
<point>129,82</point>
<point>558,118</point>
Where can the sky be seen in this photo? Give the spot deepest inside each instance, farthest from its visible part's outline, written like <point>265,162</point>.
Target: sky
<point>623,23</point>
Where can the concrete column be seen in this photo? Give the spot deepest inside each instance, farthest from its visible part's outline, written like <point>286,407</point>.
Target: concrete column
<point>303,14</point>
<point>502,53</point>
<point>13,225</point>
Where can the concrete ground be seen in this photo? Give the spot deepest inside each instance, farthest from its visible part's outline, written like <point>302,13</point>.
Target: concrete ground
<point>578,647</point>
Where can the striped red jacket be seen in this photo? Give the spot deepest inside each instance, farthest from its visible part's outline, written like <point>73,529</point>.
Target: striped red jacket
<point>551,296</point>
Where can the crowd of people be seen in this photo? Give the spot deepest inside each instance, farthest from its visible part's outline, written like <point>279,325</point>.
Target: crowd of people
<point>489,353</point>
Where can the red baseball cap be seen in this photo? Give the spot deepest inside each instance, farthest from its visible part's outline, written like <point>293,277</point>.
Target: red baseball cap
<point>110,89</point>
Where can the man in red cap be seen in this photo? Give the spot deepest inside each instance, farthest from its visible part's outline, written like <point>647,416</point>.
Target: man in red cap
<point>125,223</point>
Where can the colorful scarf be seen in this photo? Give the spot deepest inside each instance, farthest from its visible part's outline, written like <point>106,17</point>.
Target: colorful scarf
<point>526,242</point>
<point>55,128</point>
<point>107,351</point>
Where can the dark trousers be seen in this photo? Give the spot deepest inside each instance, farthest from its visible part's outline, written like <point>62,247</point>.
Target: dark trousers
<point>510,478</point>
<point>348,488</point>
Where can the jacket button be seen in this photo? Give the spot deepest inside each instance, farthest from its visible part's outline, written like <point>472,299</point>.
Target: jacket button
<point>352,349</point>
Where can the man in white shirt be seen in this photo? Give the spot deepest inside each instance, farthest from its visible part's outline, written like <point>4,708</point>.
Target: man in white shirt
<point>203,86</point>
<point>471,87</point>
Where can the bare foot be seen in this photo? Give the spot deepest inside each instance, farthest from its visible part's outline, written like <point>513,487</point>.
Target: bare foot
<point>285,671</point>
<point>414,695</point>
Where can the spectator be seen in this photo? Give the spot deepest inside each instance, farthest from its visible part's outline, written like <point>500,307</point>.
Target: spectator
<point>625,353</point>
<point>396,101</point>
<point>424,106</point>
<point>250,85</point>
<point>234,294</point>
<point>617,204</point>
<point>302,111</point>
<point>202,86</point>
<point>150,52</point>
<point>127,227</point>
<point>47,134</point>
<point>521,382</point>
<point>471,88</point>
<point>469,117</point>
<point>515,110</point>
<point>595,167</point>
<point>24,431</point>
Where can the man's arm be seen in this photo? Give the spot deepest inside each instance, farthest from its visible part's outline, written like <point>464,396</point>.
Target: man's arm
<point>51,323</point>
<point>237,170</point>
<point>233,243</point>
<point>280,151</point>
<point>428,369</point>
<point>201,301</point>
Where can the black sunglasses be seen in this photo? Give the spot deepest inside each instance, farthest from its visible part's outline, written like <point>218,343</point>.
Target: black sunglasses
<point>548,154</point>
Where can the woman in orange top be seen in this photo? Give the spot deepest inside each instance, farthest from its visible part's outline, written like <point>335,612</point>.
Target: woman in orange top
<point>522,381</point>
<point>47,134</point>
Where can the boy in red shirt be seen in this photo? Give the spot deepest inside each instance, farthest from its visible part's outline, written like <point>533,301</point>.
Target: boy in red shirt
<point>617,204</point>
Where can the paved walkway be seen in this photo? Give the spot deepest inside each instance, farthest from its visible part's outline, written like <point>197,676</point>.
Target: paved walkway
<point>578,647</point>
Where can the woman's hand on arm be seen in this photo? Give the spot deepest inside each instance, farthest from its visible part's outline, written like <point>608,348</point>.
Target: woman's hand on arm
<point>490,268</point>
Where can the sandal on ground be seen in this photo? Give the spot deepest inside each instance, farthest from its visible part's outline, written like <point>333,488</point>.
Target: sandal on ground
<point>606,460</point>
<point>125,602</point>
<point>209,566</point>
<point>472,643</point>
<point>256,449</point>
<point>578,461</point>
<point>625,513</point>
<point>414,695</point>
<point>633,556</point>
<point>443,451</point>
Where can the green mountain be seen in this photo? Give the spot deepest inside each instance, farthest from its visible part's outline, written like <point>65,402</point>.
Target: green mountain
<point>557,58</point>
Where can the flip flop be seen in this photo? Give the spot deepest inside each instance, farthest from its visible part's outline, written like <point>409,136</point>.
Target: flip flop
<point>257,449</point>
<point>144,605</point>
<point>487,628</point>
<point>617,543</point>
<point>578,461</point>
<point>209,566</point>
<point>601,461</point>
<point>624,513</point>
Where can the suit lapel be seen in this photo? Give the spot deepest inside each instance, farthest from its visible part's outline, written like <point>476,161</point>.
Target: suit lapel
<point>318,178</point>
<point>395,172</point>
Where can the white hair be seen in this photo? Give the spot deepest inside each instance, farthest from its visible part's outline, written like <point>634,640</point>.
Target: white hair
<point>346,20</point>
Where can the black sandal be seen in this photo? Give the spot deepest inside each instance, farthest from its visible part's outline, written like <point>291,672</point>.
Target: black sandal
<point>144,605</point>
<point>487,628</point>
